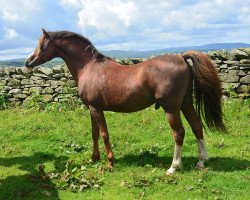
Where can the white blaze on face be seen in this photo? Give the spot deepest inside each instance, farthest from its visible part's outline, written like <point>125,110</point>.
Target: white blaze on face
<point>30,55</point>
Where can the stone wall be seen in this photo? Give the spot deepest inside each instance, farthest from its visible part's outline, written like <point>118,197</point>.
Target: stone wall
<point>233,68</point>
<point>55,84</point>
<point>52,84</point>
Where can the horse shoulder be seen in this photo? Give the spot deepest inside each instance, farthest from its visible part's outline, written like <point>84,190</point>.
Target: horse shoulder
<point>89,85</point>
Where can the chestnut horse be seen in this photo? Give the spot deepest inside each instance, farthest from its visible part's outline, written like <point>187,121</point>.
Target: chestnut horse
<point>166,80</point>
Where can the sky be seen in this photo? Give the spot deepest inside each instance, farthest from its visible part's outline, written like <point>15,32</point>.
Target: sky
<point>124,24</point>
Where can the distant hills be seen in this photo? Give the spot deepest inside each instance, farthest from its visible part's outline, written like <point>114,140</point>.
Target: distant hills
<point>141,54</point>
<point>20,62</point>
<point>148,53</point>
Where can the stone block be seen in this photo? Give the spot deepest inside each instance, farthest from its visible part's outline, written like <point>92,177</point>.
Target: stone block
<point>58,76</point>
<point>19,76</point>
<point>54,83</point>
<point>20,96</point>
<point>47,97</point>
<point>45,70</point>
<point>231,62</point>
<point>7,88</point>
<point>239,54</point>
<point>243,88</point>
<point>59,90</point>
<point>217,61</point>
<point>39,82</point>
<point>58,69</point>
<point>9,70</point>
<point>14,82</point>
<point>244,66</point>
<point>3,82</point>
<point>35,78</point>
<point>26,92</point>
<point>245,61</point>
<point>245,79</point>
<point>47,90</point>
<point>35,69</point>
<point>242,73</point>
<point>224,70</point>
<point>23,70</point>
<point>15,91</point>
<point>234,67</point>
<point>224,66</point>
<point>71,83</point>
<point>40,75</point>
<point>36,90</point>
<point>27,82</point>
<point>231,77</point>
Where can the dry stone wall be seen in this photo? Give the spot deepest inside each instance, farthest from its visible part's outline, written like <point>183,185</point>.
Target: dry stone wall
<point>52,84</point>
<point>233,68</point>
<point>56,84</point>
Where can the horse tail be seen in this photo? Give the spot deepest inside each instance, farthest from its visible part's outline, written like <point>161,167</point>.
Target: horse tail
<point>207,90</point>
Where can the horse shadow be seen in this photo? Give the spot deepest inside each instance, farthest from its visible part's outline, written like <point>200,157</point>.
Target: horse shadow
<point>29,185</point>
<point>218,164</point>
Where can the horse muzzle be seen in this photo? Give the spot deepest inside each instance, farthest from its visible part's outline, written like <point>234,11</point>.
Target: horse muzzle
<point>29,64</point>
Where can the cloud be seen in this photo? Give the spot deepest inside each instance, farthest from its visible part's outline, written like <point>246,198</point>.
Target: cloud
<point>18,10</point>
<point>11,33</point>
<point>127,24</point>
<point>123,24</point>
<point>69,4</point>
<point>103,18</point>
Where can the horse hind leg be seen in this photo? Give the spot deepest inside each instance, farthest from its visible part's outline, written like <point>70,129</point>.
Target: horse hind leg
<point>196,125</point>
<point>178,135</point>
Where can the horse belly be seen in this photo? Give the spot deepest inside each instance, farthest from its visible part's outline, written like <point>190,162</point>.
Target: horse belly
<point>131,104</point>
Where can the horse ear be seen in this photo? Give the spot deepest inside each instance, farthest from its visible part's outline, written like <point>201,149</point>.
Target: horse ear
<point>46,34</point>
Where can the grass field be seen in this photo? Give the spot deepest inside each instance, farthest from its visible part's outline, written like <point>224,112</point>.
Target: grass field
<point>143,148</point>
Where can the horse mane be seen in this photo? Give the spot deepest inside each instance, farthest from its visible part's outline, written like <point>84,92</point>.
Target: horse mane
<point>89,46</point>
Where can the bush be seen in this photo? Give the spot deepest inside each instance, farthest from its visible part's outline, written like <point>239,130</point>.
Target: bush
<point>36,102</point>
<point>3,101</point>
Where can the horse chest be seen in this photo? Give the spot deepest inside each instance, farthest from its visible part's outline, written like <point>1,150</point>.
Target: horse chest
<point>89,94</point>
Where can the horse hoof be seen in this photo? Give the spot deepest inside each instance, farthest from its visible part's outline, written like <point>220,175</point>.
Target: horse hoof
<point>110,167</point>
<point>200,166</point>
<point>95,158</point>
<point>170,171</point>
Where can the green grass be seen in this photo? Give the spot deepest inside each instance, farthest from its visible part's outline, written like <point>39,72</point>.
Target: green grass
<point>143,148</point>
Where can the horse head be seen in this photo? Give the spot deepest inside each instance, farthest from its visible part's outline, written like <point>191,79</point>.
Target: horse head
<point>45,51</point>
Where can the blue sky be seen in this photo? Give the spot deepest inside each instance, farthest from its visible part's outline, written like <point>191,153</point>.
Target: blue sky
<point>124,24</point>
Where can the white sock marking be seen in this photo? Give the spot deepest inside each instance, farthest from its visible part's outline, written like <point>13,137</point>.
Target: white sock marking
<point>176,163</point>
<point>202,153</point>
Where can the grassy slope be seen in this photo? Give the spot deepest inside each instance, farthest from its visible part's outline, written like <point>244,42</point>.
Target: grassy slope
<point>143,147</point>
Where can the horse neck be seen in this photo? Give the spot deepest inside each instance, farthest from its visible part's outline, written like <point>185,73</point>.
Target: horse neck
<point>75,56</point>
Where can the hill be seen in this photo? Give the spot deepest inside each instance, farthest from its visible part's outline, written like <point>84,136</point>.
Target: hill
<point>139,54</point>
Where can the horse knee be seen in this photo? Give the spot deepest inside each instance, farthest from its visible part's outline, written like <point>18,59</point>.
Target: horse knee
<point>179,136</point>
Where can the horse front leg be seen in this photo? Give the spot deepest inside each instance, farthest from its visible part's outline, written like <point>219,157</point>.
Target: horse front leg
<point>98,116</point>
<point>95,136</point>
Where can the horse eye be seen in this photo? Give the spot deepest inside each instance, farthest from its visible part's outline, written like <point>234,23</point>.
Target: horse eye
<point>42,47</point>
